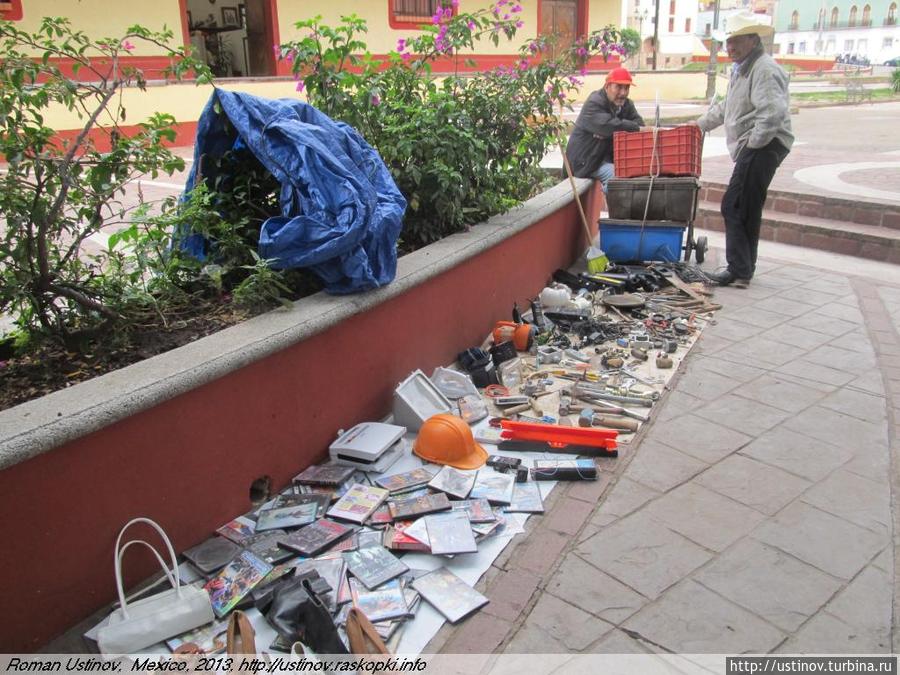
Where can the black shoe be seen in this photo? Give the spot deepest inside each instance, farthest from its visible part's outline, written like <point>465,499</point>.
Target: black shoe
<point>723,278</point>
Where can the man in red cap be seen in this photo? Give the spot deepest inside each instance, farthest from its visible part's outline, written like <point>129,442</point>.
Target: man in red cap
<point>607,110</point>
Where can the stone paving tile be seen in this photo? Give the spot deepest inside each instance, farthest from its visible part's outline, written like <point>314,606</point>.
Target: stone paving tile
<point>885,560</point>
<point>554,626</point>
<point>843,312</point>
<point>754,316</point>
<point>774,280</point>
<point>754,484</point>
<point>510,592</point>
<point>850,300</point>
<point>868,407</point>
<point>742,372</point>
<point>834,427</point>
<point>625,497</point>
<point>660,467</point>
<point>809,296</point>
<point>871,382</point>
<point>480,634</point>
<point>793,335</point>
<point>842,359</point>
<point>703,516</point>
<point>828,325</point>
<point>698,437</point>
<point>777,391</point>
<point>805,370</point>
<point>825,634</point>
<point>798,454</point>
<point>709,344</point>
<point>855,341</point>
<point>732,329</point>
<point>582,585</point>
<point>765,353</point>
<point>619,642</point>
<point>832,544</point>
<point>705,385</point>
<point>691,619</point>
<point>642,553</point>
<point>872,463</point>
<point>677,403</point>
<point>866,602</point>
<point>741,414</point>
<point>782,305</point>
<point>853,498</point>
<point>770,583</point>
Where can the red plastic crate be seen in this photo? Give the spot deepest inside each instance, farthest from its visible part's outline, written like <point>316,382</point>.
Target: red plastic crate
<point>677,152</point>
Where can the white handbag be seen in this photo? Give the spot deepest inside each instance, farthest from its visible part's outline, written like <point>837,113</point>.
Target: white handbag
<point>139,624</point>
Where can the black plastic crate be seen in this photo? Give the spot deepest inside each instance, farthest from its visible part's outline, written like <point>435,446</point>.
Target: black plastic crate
<point>673,199</point>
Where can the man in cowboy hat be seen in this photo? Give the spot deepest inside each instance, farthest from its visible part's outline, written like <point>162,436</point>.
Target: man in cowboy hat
<point>607,110</point>
<point>757,122</point>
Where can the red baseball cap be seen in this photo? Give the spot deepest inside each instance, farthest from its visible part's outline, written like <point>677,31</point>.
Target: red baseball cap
<point>620,76</point>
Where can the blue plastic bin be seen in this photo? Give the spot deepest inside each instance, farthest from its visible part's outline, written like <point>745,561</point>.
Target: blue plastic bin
<point>622,240</point>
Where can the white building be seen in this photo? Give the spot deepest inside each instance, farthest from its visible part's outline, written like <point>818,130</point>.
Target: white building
<point>677,23</point>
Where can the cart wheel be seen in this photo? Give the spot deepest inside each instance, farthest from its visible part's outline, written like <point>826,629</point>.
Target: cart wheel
<point>702,246</point>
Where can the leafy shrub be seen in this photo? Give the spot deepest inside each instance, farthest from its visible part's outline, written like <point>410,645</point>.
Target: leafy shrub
<point>461,148</point>
<point>56,195</point>
<point>895,81</point>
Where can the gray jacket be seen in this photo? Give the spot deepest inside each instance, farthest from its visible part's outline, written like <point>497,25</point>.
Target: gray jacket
<point>756,107</point>
<point>591,142</point>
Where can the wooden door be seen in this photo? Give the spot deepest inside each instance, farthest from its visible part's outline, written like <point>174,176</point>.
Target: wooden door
<point>560,18</point>
<point>260,40</point>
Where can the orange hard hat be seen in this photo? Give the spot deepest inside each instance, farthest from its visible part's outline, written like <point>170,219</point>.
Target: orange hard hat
<point>620,76</point>
<point>446,439</point>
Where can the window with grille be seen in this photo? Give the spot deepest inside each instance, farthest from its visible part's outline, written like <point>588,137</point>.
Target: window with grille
<point>795,20</point>
<point>672,25</point>
<point>687,25</point>
<point>835,14</point>
<point>414,12</point>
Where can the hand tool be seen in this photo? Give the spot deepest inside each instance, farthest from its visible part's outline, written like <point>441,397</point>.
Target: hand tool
<point>588,418</point>
<point>543,446</point>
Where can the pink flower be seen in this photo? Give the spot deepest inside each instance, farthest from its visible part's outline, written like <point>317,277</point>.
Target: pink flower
<point>406,56</point>
<point>300,85</point>
<point>127,46</point>
<point>519,24</point>
<point>401,45</point>
<point>471,24</point>
<point>515,9</point>
<point>375,100</point>
<point>455,3</point>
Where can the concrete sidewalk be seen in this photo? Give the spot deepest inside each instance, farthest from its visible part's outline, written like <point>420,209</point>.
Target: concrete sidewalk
<point>756,513</point>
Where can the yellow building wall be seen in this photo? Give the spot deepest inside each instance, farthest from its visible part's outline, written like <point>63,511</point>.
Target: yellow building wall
<point>103,18</point>
<point>185,101</point>
<point>382,37</point>
<point>603,13</point>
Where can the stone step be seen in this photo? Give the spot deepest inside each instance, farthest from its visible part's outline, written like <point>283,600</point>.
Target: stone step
<point>838,236</point>
<point>818,206</point>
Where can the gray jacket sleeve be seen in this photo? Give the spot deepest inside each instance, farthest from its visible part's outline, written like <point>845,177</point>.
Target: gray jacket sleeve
<point>769,96</point>
<point>600,122</point>
<point>714,117</point>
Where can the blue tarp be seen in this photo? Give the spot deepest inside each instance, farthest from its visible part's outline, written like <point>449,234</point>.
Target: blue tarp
<point>341,211</point>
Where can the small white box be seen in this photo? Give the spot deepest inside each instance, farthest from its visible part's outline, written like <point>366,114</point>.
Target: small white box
<point>370,446</point>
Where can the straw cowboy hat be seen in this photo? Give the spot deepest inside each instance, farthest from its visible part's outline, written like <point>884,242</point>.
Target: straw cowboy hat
<point>743,23</point>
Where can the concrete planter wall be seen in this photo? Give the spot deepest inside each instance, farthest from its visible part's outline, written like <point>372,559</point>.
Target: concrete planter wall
<point>181,436</point>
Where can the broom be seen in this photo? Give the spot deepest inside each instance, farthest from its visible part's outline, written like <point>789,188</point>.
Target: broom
<point>596,259</point>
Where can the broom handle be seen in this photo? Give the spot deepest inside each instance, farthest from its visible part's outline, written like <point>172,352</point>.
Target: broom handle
<point>584,222</point>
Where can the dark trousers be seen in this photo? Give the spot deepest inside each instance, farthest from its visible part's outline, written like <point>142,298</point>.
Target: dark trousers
<point>743,203</point>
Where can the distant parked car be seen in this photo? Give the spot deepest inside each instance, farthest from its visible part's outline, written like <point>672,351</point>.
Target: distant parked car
<point>895,62</point>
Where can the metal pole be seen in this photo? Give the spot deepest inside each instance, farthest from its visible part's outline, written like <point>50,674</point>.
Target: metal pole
<point>656,35</point>
<point>713,53</point>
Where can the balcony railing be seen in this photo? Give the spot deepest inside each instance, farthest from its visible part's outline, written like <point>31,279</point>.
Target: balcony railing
<point>839,25</point>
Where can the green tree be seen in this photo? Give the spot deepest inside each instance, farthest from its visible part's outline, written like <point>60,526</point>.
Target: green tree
<point>55,194</point>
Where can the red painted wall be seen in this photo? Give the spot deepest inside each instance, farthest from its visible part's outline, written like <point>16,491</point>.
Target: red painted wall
<point>188,463</point>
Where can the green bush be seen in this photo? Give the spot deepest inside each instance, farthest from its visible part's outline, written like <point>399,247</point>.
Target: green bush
<point>461,148</point>
<point>895,81</point>
<point>57,194</point>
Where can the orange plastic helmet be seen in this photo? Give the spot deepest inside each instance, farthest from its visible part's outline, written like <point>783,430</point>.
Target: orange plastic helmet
<point>446,439</point>
<point>620,76</point>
